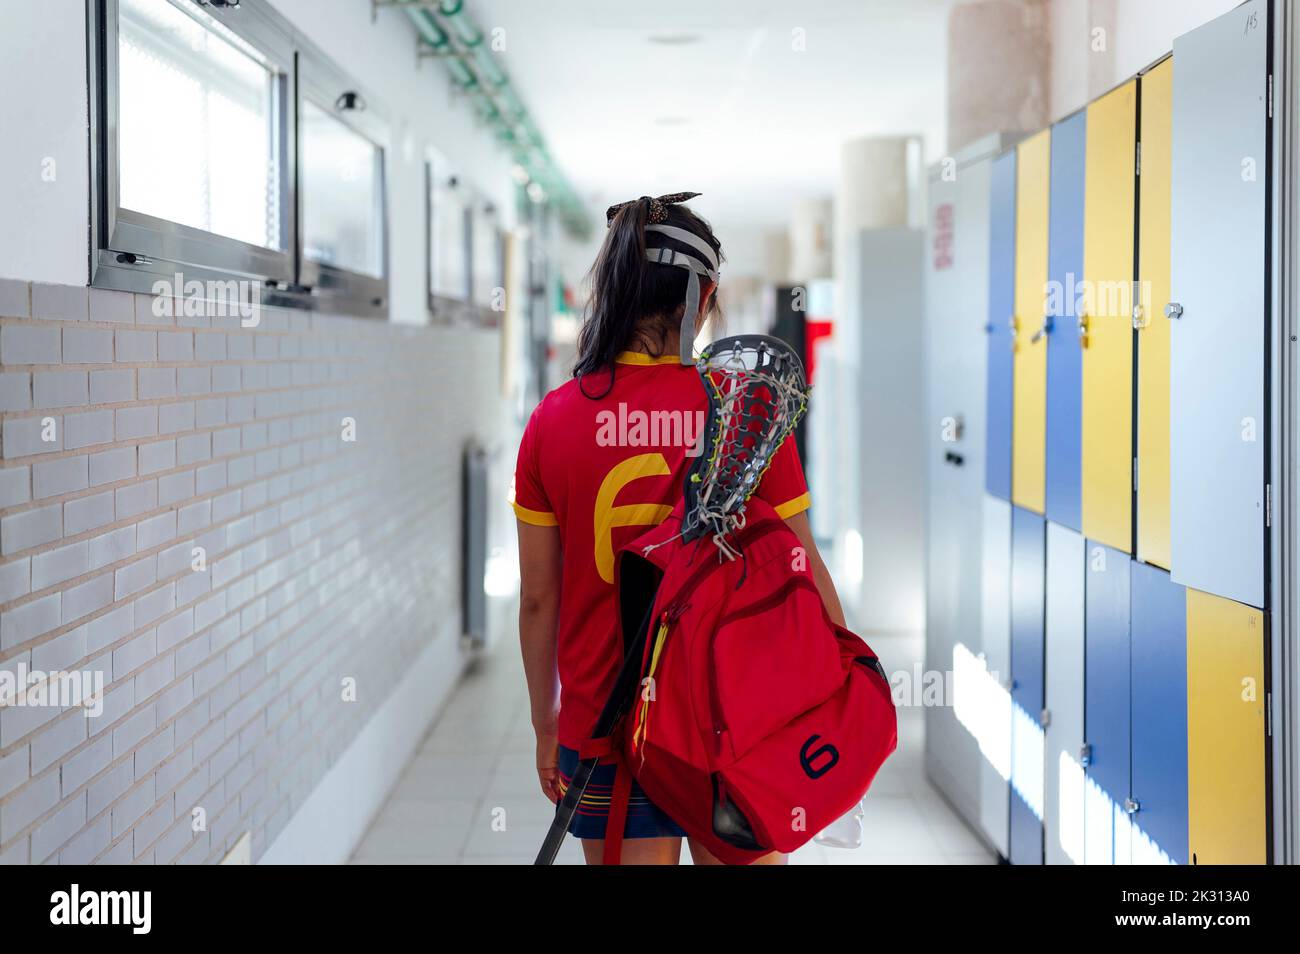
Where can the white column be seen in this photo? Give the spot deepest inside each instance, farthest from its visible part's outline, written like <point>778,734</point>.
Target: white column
<point>775,254</point>
<point>810,239</point>
<point>998,69</point>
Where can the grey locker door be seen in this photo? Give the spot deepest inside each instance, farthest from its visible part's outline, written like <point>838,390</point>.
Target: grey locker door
<point>1063,779</point>
<point>889,502</point>
<point>956,276</point>
<point>995,620</point>
<point>1218,279</point>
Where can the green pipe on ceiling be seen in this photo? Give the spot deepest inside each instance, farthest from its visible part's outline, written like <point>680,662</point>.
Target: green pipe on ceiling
<point>497,104</point>
<point>439,42</point>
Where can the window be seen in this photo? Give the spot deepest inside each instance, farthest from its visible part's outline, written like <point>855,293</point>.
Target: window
<point>449,242</point>
<point>197,131</point>
<point>341,146</point>
<point>228,147</point>
<point>342,209</point>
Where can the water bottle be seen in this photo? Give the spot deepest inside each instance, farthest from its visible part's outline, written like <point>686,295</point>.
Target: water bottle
<point>844,832</point>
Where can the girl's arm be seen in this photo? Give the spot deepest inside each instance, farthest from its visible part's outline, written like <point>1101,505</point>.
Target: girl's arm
<point>540,567</point>
<point>802,528</point>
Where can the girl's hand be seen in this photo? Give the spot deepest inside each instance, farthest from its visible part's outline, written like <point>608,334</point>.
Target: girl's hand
<point>548,762</point>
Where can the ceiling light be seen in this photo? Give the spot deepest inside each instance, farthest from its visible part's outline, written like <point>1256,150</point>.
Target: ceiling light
<point>674,39</point>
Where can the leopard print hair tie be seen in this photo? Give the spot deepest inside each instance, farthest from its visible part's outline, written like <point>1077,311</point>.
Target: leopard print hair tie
<point>658,207</point>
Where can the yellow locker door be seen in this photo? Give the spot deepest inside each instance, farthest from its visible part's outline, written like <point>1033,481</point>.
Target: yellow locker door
<point>1029,415</point>
<point>1104,316</point>
<point>1152,325</point>
<point>1226,801</point>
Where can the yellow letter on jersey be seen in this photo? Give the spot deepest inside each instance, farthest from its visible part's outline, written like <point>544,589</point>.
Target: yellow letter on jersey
<point>608,516</point>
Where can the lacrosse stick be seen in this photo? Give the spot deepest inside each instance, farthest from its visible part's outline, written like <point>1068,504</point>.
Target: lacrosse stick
<point>757,393</point>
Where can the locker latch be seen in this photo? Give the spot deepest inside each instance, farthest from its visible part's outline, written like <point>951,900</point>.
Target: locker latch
<point>1132,806</point>
<point>1045,718</point>
<point>1173,310</point>
<point>1139,318</point>
<point>1082,323</point>
<point>1085,755</point>
<point>1013,323</point>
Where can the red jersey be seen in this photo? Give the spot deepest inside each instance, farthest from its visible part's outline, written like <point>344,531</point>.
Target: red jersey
<point>603,471</point>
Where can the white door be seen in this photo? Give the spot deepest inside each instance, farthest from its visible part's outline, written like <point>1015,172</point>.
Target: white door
<point>1218,279</point>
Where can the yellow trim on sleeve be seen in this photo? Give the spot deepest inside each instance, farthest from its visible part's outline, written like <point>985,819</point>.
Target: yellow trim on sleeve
<point>791,507</point>
<point>538,518</point>
<point>637,357</point>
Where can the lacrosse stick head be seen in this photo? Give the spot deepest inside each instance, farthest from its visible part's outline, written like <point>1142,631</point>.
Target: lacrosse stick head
<point>757,393</point>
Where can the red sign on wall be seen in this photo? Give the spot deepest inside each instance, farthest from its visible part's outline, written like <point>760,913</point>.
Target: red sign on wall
<point>942,242</point>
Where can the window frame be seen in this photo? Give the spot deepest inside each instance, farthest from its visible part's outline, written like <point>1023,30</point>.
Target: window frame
<point>484,214</point>
<point>131,250</point>
<point>444,308</point>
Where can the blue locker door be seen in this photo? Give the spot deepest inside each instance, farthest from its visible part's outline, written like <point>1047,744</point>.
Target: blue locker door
<point>1064,356</point>
<point>1159,706</point>
<point>1028,586</point>
<point>1002,297</point>
<point>1063,697</point>
<point>1026,833</point>
<point>1107,691</point>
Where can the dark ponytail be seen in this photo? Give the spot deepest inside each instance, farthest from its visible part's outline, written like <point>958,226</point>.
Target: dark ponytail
<point>633,299</point>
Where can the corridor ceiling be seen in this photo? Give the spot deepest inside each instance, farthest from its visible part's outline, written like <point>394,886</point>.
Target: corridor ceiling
<point>746,101</point>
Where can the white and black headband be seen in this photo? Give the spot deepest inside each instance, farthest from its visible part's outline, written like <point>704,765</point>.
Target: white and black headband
<point>705,264</point>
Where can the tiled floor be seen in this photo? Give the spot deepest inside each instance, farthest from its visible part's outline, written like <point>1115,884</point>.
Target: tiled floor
<point>470,795</point>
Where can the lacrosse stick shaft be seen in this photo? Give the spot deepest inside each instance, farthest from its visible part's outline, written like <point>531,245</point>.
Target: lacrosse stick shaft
<point>628,678</point>
<point>564,812</point>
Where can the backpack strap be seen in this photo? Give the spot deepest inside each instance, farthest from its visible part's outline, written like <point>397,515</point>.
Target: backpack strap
<point>621,796</point>
<point>617,814</point>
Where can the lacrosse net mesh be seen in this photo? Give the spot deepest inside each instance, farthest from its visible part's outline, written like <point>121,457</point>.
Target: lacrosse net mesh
<point>757,394</point>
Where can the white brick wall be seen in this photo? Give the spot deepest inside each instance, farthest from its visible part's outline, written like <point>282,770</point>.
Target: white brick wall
<point>324,560</point>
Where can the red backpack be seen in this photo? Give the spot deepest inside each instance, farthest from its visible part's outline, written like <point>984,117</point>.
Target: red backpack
<point>741,709</point>
<point>758,721</point>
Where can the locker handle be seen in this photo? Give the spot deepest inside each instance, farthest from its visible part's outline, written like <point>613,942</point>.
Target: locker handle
<point>1132,806</point>
<point>1043,329</point>
<point>1173,310</point>
<point>1013,324</point>
<point>1081,323</point>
